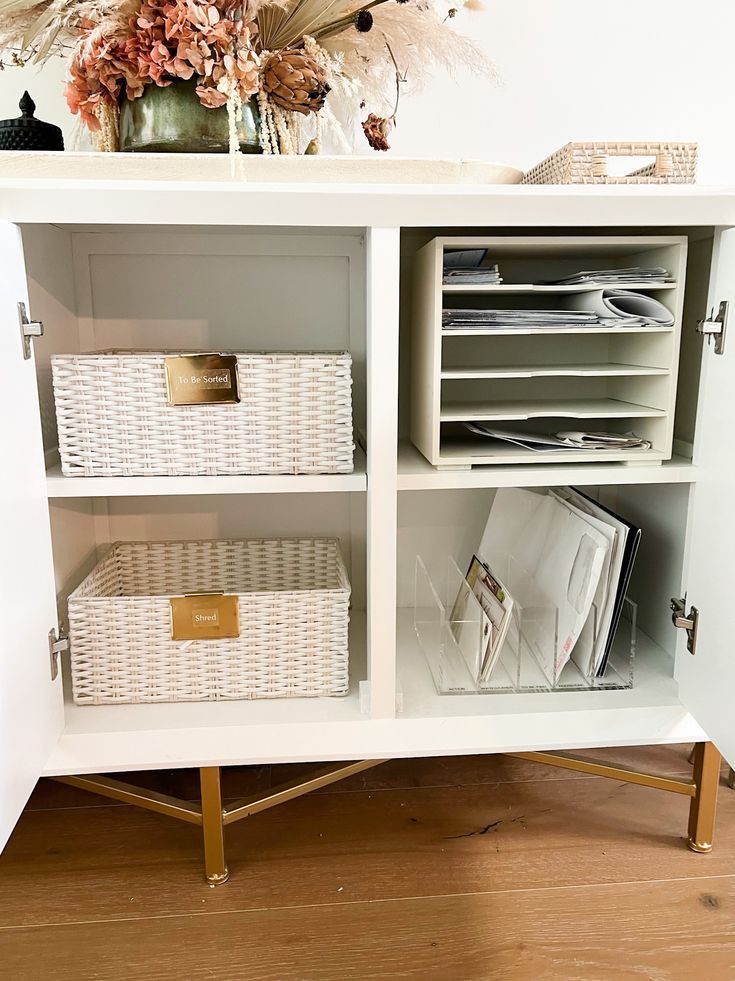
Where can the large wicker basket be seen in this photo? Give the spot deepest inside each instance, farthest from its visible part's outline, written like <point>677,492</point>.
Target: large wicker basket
<point>586,163</point>
<point>294,416</point>
<point>293,598</point>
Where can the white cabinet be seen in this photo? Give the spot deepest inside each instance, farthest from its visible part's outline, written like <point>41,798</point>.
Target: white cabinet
<point>332,270</point>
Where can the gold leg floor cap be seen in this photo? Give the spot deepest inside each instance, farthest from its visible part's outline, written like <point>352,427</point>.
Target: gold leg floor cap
<point>701,848</point>
<point>217,879</point>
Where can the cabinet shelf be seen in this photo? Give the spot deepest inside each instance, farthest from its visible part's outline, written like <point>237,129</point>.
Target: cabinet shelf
<point>655,694</point>
<point>546,409</point>
<point>112,737</point>
<point>290,730</point>
<point>606,370</point>
<point>59,486</point>
<point>523,289</point>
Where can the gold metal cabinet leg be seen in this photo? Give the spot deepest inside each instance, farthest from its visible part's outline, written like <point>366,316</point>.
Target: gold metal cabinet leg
<point>215,867</point>
<point>704,803</point>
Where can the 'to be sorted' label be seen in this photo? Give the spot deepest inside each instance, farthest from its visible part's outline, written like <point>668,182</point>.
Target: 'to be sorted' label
<point>201,379</point>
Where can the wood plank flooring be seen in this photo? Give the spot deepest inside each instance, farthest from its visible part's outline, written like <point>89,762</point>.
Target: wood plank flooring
<point>454,869</point>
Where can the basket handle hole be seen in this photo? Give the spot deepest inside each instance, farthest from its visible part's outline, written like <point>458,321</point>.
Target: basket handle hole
<point>625,165</point>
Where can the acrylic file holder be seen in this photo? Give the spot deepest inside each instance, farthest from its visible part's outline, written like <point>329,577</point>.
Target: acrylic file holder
<point>449,623</point>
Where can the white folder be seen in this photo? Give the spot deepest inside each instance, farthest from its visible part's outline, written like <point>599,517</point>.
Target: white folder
<point>562,551</point>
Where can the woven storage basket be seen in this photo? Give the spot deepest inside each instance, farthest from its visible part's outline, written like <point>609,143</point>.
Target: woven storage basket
<point>586,163</point>
<point>293,603</point>
<point>294,416</point>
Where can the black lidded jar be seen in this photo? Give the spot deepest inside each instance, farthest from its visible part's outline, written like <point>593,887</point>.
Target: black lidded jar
<point>28,133</point>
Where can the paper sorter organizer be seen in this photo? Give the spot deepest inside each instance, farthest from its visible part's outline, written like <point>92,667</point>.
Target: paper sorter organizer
<point>542,379</point>
<point>448,624</point>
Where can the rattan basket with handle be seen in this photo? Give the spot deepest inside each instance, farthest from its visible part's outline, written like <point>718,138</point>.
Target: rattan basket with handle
<point>587,163</point>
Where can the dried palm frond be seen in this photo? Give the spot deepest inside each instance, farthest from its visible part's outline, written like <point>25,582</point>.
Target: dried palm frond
<point>282,25</point>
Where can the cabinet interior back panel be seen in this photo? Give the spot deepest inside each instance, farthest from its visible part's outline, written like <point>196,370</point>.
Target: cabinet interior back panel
<point>184,518</point>
<point>226,301</point>
<point>167,289</point>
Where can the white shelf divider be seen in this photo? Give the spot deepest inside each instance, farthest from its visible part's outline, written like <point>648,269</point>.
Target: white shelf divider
<point>383,298</point>
<point>519,331</point>
<point>527,288</point>
<point>547,409</point>
<point>609,370</point>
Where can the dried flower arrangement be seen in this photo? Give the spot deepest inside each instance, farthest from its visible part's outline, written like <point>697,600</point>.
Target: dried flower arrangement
<point>301,59</point>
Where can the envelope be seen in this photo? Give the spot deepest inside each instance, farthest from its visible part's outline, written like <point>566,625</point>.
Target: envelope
<point>561,552</point>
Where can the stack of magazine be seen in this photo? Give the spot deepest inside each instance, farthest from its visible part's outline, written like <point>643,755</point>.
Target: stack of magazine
<point>469,267</point>
<point>453,319</point>
<point>579,556</point>
<point>635,275</point>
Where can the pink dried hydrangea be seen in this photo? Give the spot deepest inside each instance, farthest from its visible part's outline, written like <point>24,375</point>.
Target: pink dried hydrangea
<point>100,71</point>
<point>211,40</point>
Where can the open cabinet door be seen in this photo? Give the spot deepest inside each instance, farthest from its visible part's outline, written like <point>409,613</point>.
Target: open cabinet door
<point>31,704</point>
<point>707,678</point>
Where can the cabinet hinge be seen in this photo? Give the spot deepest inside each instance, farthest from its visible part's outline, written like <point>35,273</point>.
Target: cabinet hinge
<point>28,329</point>
<point>715,326</point>
<point>685,621</point>
<point>57,644</point>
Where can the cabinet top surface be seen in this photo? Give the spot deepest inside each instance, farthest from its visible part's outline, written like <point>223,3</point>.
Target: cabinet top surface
<point>188,189</point>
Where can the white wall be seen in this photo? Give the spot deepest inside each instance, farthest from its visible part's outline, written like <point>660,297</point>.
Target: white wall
<point>569,69</point>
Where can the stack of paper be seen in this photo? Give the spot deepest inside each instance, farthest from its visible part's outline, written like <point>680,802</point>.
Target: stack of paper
<point>635,275</point>
<point>578,555</point>
<point>468,267</point>
<point>487,276</point>
<point>500,319</point>
<point>543,442</point>
<point>603,441</point>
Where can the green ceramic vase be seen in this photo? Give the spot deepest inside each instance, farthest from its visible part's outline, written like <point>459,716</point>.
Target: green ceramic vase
<point>173,120</point>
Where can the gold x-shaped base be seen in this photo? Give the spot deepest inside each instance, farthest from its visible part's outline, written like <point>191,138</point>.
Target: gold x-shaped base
<point>212,817</point>
<point>702,788</point>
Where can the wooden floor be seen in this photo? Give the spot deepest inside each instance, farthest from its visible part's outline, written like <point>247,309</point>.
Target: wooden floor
<point>451,869</point>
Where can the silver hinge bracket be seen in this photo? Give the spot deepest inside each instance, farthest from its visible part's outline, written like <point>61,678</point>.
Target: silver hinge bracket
<point>715,326</point>
<point>28,329</point>
<point>57,644</point>
<point>686,621</point>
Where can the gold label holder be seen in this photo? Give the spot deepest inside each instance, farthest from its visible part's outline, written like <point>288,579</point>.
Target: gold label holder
<point>205,616</point>
<point>201,379</point>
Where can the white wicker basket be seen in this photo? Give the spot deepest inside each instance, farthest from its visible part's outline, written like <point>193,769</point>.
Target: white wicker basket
<point>586,163</point>
<point>293,609</point>
<point>294,416</point>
